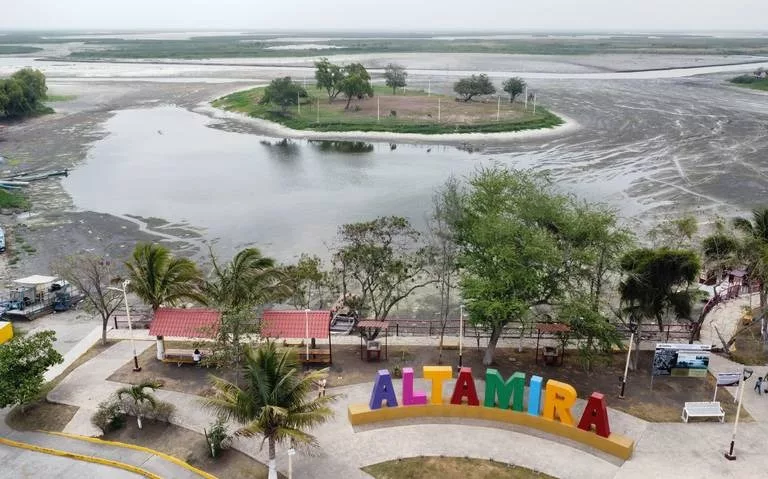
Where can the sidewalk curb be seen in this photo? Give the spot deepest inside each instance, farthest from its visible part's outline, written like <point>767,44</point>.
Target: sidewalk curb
<point>80,457</point>
<point>167,457</point>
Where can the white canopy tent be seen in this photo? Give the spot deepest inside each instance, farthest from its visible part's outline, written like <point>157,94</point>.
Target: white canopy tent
<point>35,280</point>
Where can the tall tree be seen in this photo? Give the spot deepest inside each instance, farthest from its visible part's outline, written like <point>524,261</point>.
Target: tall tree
<point>308,282</point>
<point>395,76</point>
<point>158,278</point>
<point>356,83</point>
<point>23,363</point>
<point>754,248</point>
<point>514,86</point>
<point>521,245</point>
<point>658,282</point>
<point>473,86</point>
<point>384,260</point>
<point>446,211</point>
<point>276,402</point>
<point>283,92</point>
<point>674,233</point>
<point>329,77</point>
<point>93,275</point>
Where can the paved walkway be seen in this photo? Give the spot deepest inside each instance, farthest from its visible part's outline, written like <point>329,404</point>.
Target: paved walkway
<point>21,463</point>
<point>662,450</point>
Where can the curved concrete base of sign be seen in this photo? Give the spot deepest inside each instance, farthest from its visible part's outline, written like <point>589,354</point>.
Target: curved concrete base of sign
<point>615,444</point>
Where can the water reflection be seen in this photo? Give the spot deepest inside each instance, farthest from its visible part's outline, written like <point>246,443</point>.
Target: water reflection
<point>344,146</point>
<point>285,149</point>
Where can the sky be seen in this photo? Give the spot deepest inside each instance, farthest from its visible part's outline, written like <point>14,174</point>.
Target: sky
<point>388,15</point>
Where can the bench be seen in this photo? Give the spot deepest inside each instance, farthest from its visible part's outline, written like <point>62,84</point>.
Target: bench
<point>183,356</point>
<point>320,356</point>
<point>703,409</point>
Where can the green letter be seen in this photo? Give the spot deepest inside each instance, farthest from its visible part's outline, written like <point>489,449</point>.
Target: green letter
<point>513,388</point>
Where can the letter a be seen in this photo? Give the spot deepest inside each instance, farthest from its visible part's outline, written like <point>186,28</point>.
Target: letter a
<point>596,414</point>
<point>383,391</point>
<point>465,388</point>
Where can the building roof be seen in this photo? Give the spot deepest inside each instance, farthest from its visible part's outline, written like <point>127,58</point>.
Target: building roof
<point>185,323</point>
<point>294,324</point>
<point>35,280</point>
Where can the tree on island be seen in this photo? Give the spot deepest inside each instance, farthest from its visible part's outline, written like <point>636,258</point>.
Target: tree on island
<point>23,363</point>
<point>474,86</point>
<point>283,92</point>
<point>329,77</point>
<point>356,83</point>
<point>275,402</point>
<point>395,76</point>
<point>514,86</point>
<point>22,94</point>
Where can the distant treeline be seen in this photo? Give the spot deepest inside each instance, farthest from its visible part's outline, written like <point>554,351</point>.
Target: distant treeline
<point>23,94</point>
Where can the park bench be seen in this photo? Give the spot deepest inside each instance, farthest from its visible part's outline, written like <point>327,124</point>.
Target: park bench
<point>703,409</point>
<point>183,356</point>
<point>319,356</point>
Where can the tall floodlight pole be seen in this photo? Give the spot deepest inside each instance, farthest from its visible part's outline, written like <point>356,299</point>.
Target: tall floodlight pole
<point>745,374</point>
<point>461,334</point>
<point>526,97</point>
<point>306,331</point>
<point>124,290</point>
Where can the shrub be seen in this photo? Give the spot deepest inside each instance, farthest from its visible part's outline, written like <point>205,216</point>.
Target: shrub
<point>163,411</point>
<point>217,437</point>
<point>108,416</point>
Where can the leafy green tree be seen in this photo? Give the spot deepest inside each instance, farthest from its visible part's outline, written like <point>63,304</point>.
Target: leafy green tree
<point>674,233</point>
<point>473,86</point>
<point>514,86</point>
<point>356,83</point>
<point>15,103</point>
<point>384,260</point>
<point>138,398</point>
<point>283,92</point>
<point>93,276</point>
<point>33,84</point>
<point>329,77</point>
<point>522,245</point>
<point>158,278</point>
<point>658,282</point>
<point>23,363</point>
<point>276,401</point>
<point>594,333</point>
<point>395,77</point>
<point>308,282</point>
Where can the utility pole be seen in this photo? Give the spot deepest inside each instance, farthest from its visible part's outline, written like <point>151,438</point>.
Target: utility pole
<point>318,109</point>
<point>534,103</point>
<point>745,374</point>
<point>498,108</point>
<point>298,101</point>
<point>429,87</point>
<point>438,110</point>
<point>378,109</point>
<point>526,97</point>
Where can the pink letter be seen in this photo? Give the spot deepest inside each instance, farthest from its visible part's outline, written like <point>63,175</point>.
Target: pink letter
<point>411,397</point>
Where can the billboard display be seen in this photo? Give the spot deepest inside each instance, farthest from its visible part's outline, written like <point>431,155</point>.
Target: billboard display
<point>681,360</point>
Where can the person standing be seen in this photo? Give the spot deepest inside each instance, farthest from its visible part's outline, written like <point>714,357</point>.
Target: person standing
<point>759,386</point>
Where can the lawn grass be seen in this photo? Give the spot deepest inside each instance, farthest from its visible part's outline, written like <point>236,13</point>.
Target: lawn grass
<point>450,468</point>
<point>414,112</point>
<point>56,98</point>
<point>12,199</point>
<point>750,81</point>
<point>47,416</point>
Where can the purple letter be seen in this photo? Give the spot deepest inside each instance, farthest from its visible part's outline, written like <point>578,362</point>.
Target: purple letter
<point>411,397</point>
<point>383,391</point>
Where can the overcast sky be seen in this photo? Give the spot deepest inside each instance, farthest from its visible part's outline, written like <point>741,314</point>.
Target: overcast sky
<point>424,15</point>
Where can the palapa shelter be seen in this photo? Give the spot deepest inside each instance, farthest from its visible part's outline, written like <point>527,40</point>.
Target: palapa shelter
<point>197,323</point>
<point>305,325</point>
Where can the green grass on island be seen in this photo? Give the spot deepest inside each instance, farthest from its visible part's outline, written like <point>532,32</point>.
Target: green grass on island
<point>750,81</point>
<point>50,98</point>
<point>410,112</point>
<point>450,468</point>
<point>11,199</point>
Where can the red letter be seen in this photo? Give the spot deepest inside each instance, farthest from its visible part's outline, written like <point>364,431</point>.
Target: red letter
<point>465,388</point>
<point>596,414</point>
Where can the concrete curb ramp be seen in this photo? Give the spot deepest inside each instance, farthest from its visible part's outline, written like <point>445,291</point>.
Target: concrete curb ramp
<point>135,447</point>
<point>80,457</point>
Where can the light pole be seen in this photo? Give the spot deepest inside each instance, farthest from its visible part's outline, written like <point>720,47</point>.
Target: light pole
<point>461,334</point>
<point>124,290</point>
<point>291,453</point>
<point>626,365</point>
<point>306,331</point>
<point>745,374</point>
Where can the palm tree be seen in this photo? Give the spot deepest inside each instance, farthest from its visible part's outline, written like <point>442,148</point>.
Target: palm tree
<point>138,397</point>
<point>247,280</point>
<point>275,401</point>
<point>757,227</point>
<point>158,278</point>
<point>754,248</point>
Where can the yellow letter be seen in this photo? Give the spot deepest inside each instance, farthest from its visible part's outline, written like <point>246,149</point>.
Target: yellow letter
<point>558,399</point>
<point>437,374</point>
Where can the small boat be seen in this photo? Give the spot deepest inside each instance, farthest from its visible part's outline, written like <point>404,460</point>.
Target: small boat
<point>343,323</point>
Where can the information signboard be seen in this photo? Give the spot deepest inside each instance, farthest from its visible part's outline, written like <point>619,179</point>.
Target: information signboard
<point>681,360</point>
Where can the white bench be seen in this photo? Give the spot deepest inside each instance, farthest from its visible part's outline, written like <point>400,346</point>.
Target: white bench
<point>703,409</point>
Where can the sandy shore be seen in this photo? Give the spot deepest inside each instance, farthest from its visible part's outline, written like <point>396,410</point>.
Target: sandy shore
<point>275,129</point>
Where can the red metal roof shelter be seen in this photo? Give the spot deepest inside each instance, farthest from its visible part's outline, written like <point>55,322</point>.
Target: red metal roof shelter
<point>293,324</point>
<point>186,323</point>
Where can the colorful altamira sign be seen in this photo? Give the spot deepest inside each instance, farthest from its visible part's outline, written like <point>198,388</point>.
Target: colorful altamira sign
<point>558,397</point>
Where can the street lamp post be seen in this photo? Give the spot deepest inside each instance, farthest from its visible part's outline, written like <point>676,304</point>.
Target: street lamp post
<point>626,365</point>
<point>291,453</point>
<point>745,374</point>
<point>306,331</point>
<point>124,290</point>
<point>461,334</point>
